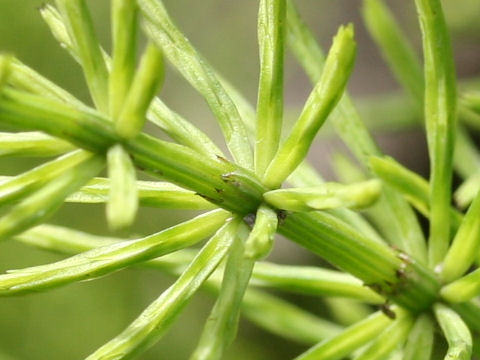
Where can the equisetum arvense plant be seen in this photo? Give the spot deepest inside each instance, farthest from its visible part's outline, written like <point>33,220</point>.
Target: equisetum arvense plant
<point>419,284</point>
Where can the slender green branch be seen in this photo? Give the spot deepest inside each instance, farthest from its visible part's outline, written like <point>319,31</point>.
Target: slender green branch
<point>17,187</point>
<point>286,319</point>
<point>414,187</point>
<point>160,28</point>
<point>122,202</point>
<point>419,344</point>
<point>404,229</point>
<point>150,193</point>
<point>394,336</point>
<point>40,205</point>
<point>124,31</point>
<point>159,315</point>
<point>109,258</point>
<point>80,28</point>
<point>132,114</point>
<point>326,94</point>
<point>407,68</point>
<point>466,243</point>
<point>463,289</point>
<point>352,338</point>
<point>221,326</point>
<point>312,281</point>
<point>32,144</point>
<point>325,196</point>
<point>456,332</point>
<point>271,34</point>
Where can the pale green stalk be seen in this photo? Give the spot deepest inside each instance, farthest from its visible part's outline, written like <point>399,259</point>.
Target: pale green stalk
<point>41,204</point>
<point>346,248</point>
<point>260,241</point>
<point>352,338</point>
<point>463,289</point>
<point>122,202</point>
<point>419,344</point>
<point>21,185</point>
<point>325,196</point>
<point>80,28</point>
<point>286,319</point>
<point>440,117</point>
<point>171,123</point>
<point>53,19</point>
<point>407,68</point>
<point>150,193</point>
<point>390,339</point>
<point>404,229</point>
<point>181,130</point>
<point>159,27</point>
<point>414,187</point>
<point>26,79</point>
<point>158,316</point>
<point>222,323</point>
<point>395,47</point>
<point>306,176</point>
<point>465,246</point>
<point>312,281</point>
<point>32,144</point>
<point>109,258</point>
<point>320,103</point>
<point>124,31</point>
<point>271,39</point>
<point>455,331</point>
<point>272,313</point>
<point>145,84</point>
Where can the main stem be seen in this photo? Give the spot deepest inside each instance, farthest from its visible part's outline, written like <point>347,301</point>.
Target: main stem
<point>395,275</point>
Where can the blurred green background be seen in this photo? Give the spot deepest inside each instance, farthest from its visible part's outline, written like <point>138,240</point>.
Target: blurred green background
<point>71,322</point>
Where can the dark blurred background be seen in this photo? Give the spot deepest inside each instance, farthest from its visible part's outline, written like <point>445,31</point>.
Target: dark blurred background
<point>71,322</point>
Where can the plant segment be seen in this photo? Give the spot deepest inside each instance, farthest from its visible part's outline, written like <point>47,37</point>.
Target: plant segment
<point>246,203</point>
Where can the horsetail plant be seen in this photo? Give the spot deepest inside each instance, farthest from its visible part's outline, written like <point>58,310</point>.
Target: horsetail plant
<point>381,257</point>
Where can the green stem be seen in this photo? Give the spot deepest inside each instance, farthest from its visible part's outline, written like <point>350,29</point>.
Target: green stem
<point>312,281</point>
<point>221,326</point>
<point>80,28</point>
<point>124,31</point>
<point>405,230</point>
<point>419,345</point>
<point>158,316</point>
<point>271,34</point>
<point>465,245</point>
<point>349,340</point>
<point>160,28</point>
<point>456,332</point>
<point>325,95</point>
<point>108,258</point>
<point>389,340</point>
<point>145,84</point>
<point>440,117</point>
<point>122,202</point>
